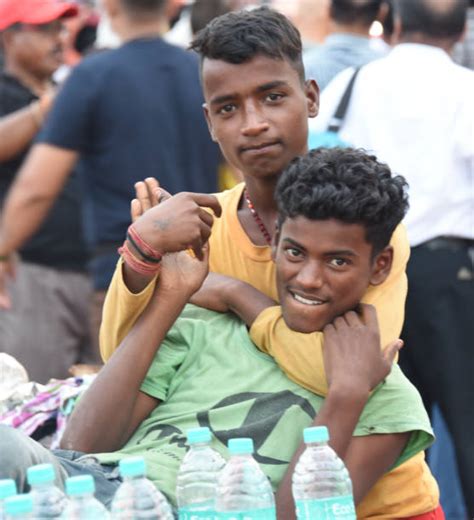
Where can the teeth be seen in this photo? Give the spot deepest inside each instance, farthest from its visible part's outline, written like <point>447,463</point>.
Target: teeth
<point>300,299</point>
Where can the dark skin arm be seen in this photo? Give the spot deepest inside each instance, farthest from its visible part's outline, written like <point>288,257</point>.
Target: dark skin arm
<point>354,366</point>
<point>114,406</point>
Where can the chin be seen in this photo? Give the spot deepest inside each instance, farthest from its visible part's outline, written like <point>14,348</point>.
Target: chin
<point>303,324</point>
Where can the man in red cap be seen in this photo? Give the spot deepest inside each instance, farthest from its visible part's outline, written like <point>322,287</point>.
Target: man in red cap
<point>46,325</point>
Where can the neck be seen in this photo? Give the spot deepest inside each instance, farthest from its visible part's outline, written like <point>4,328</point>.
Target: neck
<point>262,193</point>
<point>446,44</point>
<point>129,29</point>
<point>36,84</point>
<point>355,29</point>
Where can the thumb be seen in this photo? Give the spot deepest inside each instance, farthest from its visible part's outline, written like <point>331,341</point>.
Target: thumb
<point>391,350</point>
<point>162,195</point>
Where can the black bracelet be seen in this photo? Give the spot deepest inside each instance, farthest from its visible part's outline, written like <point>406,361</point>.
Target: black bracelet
<point>148,258</point>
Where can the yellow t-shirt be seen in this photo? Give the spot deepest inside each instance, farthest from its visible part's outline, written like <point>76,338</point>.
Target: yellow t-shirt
<point>411,486</point>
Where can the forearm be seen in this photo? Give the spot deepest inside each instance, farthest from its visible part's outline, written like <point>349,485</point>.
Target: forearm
<point>246,301</point>
<point>102,420</point>
<point>37,185</point>
<point>122,308</point>
<point>340,413</point>
<point>18,129</point>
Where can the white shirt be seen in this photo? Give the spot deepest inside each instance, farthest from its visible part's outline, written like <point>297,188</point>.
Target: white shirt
<point>414,109</point>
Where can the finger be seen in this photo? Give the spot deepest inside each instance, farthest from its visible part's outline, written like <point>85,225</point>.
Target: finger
<point>369,315</point>
<point>352,319</point>
<point>205,232</point>
<point>135,209</point>
<point>162,195</point>
<point>152,186</point>
<point>196,246</point>
<point>141,192</point>
<point>207,201</point>
<point>391,350</point>
<point>339,323</point>
<point>206,217</point>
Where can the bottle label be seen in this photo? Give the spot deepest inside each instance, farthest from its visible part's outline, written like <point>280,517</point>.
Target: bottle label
<point>337,508</point>
<point>250,514</point>
<point>187,513</point>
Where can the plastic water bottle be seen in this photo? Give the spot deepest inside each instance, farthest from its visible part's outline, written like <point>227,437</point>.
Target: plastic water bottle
<point>82,504</point>
<point>243,490</point>
<point>7,489</point>
<point>322,487</point>
<point>48,500</point>
<point>19,507</point>
<point>137,497</point>
<point>197,477</point>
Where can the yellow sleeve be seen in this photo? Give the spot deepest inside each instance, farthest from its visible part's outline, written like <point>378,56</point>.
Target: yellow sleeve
<point>300,356</point>
<point>121,310</point>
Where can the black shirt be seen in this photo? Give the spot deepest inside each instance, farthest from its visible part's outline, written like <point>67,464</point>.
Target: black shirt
<point>59,243</point>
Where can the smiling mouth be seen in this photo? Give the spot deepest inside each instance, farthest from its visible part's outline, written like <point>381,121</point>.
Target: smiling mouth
<point>307,301</point>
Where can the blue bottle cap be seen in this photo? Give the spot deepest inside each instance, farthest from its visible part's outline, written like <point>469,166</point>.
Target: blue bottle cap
<point>18,505</point>
<point>240,446</point>
<point>80,485</point>
<point>316,434</point>
<point>40,473</point>
<point>132,467</point>
<point>7,488</point>
<point>198,435</point>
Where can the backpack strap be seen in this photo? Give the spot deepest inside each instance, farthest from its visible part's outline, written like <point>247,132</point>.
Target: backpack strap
<point>338,118</point>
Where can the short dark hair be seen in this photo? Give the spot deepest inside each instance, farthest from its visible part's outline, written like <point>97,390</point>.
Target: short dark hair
<point>354,11</point>
<point>237,37</point>
<point>141,7</point>
<point>433,19</point>
<point>345,184</point>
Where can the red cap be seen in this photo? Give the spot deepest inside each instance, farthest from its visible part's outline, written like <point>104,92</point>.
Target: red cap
<point>34,12</point>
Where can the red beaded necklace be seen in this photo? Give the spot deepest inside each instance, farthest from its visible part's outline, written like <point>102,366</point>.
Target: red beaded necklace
<point>257,218</point>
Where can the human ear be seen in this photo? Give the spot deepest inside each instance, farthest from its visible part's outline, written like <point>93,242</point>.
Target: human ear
<point>312,97</point>
<point>208,121</point>
<point>382,266</point>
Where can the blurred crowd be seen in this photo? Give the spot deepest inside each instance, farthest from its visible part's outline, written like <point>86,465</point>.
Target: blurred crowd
<point>95,98</point>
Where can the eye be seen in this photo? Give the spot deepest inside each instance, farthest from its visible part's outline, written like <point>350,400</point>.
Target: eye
<point>226,109</point>
<point>273,96</point>
<point>293,253</point>
<point>338,262</point>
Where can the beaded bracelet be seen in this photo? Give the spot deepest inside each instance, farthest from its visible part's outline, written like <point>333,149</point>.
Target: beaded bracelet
<point>137,265</point>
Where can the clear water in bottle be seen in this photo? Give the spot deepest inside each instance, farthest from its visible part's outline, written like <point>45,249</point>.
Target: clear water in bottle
<point>48,500</point>
<point>322,487</point>
<point>197,477</point>
<point>7,489</point>
<point>137,497</point>
<point>82,504</point>
<point>19,507</point>
<point>243,490</point>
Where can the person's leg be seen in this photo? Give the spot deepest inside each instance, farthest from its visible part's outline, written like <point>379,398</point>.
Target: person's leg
<point>18,452</point>
<point>48,325</point>
<point>438,336</point>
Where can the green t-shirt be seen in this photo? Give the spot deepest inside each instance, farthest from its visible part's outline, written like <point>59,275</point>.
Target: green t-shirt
<point>207,372</point>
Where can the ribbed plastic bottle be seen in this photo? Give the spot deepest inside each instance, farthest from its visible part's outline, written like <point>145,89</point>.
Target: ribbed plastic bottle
<point>197,477</point>
<point>19,507</point>
<point>82,504</point>
<point>7,489</point>
<point>48,500</point>
<point>322,487</point>
<point>137,497</point>
<point>243,490</point>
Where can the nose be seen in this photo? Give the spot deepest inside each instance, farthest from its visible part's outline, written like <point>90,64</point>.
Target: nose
<point>310,276</point>
<point>254,121</point>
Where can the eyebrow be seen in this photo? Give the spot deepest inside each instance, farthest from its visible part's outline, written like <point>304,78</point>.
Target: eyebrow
<point>343,252</point>
<point>262,88</point>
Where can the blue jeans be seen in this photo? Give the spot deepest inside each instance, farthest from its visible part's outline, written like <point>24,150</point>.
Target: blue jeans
<point>18,452</point>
